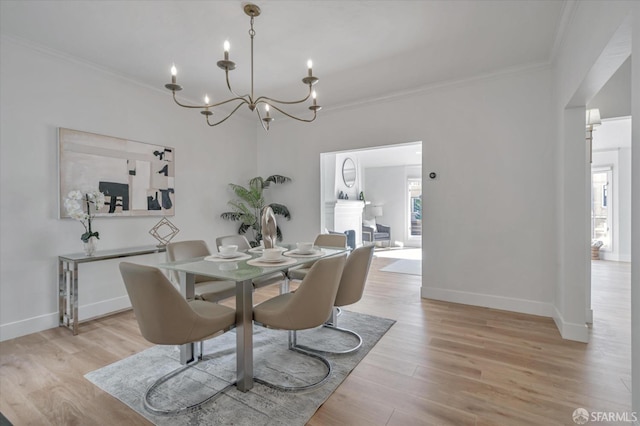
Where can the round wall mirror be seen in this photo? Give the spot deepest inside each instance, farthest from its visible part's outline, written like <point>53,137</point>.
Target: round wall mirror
<point>349,172</point>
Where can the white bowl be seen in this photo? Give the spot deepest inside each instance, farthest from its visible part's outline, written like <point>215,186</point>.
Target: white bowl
<point>271,254</point>
<point>305,247</point>
<point>227,250</point>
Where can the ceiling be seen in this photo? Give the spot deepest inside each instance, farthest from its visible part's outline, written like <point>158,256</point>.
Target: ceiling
<point>361,50</point>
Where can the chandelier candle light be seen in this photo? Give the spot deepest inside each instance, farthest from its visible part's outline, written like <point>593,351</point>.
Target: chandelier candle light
<point>249,99</point>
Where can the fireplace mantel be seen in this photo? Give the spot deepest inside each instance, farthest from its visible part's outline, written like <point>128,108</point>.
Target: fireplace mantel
<point>343,215</point>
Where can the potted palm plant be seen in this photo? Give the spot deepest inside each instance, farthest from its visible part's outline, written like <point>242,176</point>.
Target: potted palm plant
<point>250,202</point>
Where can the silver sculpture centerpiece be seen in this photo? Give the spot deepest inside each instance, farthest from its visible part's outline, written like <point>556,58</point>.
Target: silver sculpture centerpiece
<point>268,227</point>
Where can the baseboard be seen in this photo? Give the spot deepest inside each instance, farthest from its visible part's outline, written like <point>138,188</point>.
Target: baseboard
<point>589,316</point>
<point>45,322</point>
<point>570,331</point>
<point>28,326</point>
<point>489,301</point>
<point>614,257</point>
<point>103,308</point>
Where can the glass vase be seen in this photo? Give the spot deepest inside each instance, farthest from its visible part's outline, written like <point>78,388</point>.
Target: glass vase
<point>90,246</point>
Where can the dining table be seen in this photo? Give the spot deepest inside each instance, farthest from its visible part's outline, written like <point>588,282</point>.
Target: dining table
<point>242,269</point>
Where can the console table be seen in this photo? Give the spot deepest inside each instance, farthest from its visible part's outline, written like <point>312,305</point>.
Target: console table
<point>68,278</point>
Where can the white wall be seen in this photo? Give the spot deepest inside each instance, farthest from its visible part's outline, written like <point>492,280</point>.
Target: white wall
<point>597,41</point>
<point>586,60</point>
<point>614,99</point>
<point>41,92</point>
<point>635,216</point>
<point>489,239</point>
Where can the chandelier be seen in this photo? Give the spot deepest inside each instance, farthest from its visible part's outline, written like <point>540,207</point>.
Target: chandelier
<point>249,99</point>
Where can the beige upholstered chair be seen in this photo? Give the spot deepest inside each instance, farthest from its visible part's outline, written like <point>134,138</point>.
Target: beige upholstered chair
<point>308,307</point>
<point>166,318</point>
<point>354,277</point>
<point>239,240</point>
<point>243,244</point>
<point>322,240</point>
<point>206,288</point>
<point>331,240</point>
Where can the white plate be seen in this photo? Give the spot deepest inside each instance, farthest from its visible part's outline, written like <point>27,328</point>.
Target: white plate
<point>260,249</point>
<point>296,252</point>
<point>278,260</point>
<point>312,251</point>
<point>216,258</point>
<point>228,256</point>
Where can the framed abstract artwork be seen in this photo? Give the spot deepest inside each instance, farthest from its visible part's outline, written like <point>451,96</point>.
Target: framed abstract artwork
<point>137,179</point>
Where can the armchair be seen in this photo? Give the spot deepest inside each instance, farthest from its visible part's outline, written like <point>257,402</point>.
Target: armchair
<point>375,232</point>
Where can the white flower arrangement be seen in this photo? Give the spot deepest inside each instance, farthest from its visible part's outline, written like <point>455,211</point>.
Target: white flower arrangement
<point>75,204</point>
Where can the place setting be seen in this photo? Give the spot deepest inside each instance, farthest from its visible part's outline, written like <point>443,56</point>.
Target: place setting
<point>272,257</point>
<point>228,253</point>
<point>260,248</point>
<point>304,250</point>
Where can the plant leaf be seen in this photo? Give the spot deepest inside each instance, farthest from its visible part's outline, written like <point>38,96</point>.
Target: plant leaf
<point>278,179</point>
<point>234,216</point>
<point>280,209</point>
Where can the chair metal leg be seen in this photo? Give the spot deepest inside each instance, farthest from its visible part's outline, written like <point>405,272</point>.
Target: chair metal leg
<point>332,324</point>
<point>163,412</point>
<point>295,348</point>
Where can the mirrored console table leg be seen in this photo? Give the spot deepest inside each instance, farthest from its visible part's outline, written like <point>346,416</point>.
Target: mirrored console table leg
<point>68,294</point>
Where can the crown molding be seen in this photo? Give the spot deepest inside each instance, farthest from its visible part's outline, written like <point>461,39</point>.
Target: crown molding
<point>567,15</point>
<point>516,70</point>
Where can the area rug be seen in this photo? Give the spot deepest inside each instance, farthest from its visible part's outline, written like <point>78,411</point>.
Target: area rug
<point>128,379</point>
<point>404,266</point>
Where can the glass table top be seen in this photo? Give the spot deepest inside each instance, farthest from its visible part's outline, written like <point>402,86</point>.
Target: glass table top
<point>240,270</point>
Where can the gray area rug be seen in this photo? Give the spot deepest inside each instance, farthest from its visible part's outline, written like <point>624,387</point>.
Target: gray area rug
<point>128,379</point>
<point>404,266</point>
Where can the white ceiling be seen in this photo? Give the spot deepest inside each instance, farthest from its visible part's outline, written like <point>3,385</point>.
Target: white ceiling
<point>361,50</point>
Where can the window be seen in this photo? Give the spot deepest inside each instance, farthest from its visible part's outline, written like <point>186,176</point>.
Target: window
<point>415,207</point>
<point>601,202</point>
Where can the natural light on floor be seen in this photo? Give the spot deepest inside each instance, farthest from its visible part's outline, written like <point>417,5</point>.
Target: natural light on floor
<point>400,253</point>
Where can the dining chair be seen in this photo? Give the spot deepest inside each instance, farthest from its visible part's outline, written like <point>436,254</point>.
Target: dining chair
<point>206,288</point>
<point>322,240</point>
<point>308,307</point>
<point>350,290</point>
<point>243,244</point>
<point>166,318</point>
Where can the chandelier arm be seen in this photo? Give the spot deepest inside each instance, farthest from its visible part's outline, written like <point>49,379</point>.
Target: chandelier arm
<point>230,89</point>
<point>262,122</point>
<point>239,98</point>
<point>263,99</point>
<point>294,117</point>
<point>225,119</point>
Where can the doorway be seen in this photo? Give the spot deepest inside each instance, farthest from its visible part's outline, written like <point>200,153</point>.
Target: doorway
<point>383,176</point>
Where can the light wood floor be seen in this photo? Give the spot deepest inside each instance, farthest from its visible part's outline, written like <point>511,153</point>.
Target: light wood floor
<point>441,363</point>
